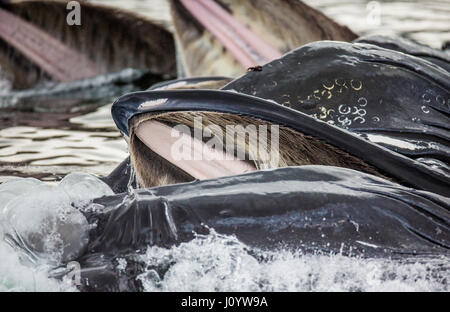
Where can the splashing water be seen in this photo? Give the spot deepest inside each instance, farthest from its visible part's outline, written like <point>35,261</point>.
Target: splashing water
<point>15,276</point>
<point>221,263</point>
<point>40,228</point>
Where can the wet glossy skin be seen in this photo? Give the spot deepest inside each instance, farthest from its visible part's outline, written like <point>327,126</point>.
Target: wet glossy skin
<point>439,57</point>
<point>366,89</point>
<point>289,205</point>
<point>311,208</point>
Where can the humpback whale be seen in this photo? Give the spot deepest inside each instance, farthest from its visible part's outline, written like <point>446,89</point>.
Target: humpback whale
<point>225,37</point>
<point>303,139</point>
<point>310,137</point>
<point>122,34</point>
<point>391,98</point>
<point>327,191</point>
<point>337,192</point>
<point>315,209</point>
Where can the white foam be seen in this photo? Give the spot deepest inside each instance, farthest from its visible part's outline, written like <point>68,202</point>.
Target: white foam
<point>15,276</point>
<point>221,263</point>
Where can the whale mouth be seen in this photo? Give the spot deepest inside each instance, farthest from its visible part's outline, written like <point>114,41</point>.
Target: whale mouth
<point>227,36</point>
<point>245,46</point>
<point>167,149</point>
<point>206,162</point>
<point>39,46</point>
<point>183,146</point>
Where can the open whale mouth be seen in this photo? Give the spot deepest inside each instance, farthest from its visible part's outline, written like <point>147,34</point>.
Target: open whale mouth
<point>246,47</point>
<point>176,145</point>
<point>157,162</point>
<point>165,148</point>
<point>158,123</point>
<point>228,36</point>
<point>38,45</point>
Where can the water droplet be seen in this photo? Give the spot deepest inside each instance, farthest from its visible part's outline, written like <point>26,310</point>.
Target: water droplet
<point>425,109</point>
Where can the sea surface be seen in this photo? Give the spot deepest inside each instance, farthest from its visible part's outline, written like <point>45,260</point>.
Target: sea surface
<point>48,143</point>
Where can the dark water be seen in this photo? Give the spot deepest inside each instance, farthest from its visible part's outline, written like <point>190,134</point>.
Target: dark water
<point>68,128</point>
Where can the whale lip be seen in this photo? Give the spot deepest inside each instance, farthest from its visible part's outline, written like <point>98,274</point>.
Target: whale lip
<point>392,164</point>
<point>190,81</point>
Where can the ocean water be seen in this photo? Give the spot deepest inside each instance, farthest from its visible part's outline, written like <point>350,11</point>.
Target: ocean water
<point>49,144</point>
